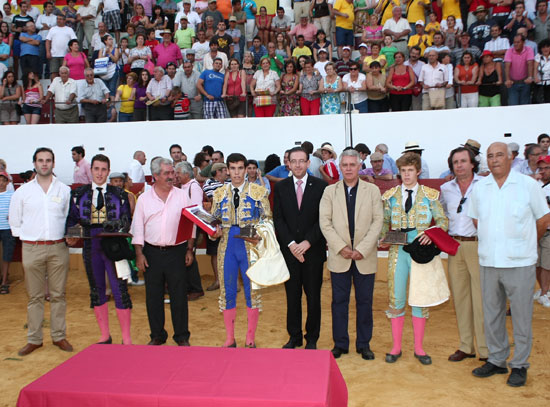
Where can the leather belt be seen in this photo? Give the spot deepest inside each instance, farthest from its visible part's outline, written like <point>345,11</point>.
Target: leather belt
<point>162,248</point>
<point>465,238</point>
<point>43,242</point>
<point>407,229</point>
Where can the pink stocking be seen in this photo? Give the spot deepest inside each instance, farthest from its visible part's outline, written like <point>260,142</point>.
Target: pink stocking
<point>419,325</point>
<point>229,321</point>
<point>397,333</point>
<point>253,315</point>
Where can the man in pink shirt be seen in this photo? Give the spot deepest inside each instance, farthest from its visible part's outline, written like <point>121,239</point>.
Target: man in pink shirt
<point>167,51</point>
<point>159,256</point>
<point>518,67</point>
<point>306,29</point>
<point>82,172</point>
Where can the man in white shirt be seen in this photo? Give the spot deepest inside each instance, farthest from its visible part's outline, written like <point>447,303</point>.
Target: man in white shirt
<point>208,60</point>
<point>57,45</point>
<point>135,171</point>
<point>86,15</point>
<point>433,76</point>
<point>43,23</point>
<point>64,91</point>
<point>511,215</point>
<point>464,266</point>
<point>497,45</point>
<point>111,16</point>
<point>193,18</point>
<point>38,211</point>
<point>399,28</point>
<point>201,46</point>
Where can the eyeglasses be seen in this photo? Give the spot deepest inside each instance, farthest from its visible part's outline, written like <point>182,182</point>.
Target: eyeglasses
<point>459,209</point>
<point>301,162</point>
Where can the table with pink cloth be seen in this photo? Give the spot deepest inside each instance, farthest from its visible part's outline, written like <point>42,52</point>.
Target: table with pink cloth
<point>169,376</point>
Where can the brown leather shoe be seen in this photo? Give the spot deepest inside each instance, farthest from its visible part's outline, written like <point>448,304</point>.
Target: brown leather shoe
<point>156,342</point>
<point>28,348</point>
<point>194,296</point>
<point>184,343</point>
<point>459,356</point>
<point>64,344</point>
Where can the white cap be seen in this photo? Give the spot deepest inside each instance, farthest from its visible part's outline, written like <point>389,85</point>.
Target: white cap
<point>363,45</point>
<point>346,47</point>
<point>419,22</point>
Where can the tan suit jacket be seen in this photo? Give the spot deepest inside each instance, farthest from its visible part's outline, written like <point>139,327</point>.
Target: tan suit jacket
<point>333,220</point>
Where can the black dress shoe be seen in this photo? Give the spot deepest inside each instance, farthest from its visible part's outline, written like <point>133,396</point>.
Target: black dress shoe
<point>311,345</point>
<point>366,353</point>
<point>185,342</point>
<point>156,342</point>
<point>518,377</point>
<point>392,358</point>
<point>293,343</point>
<point>107,342</point>
<point>424,359</point>
<point>488,369</point>
<point>337,352</point>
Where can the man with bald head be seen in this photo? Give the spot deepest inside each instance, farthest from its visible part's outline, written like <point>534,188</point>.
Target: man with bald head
<point>510,212</point>
<point>135,171</point>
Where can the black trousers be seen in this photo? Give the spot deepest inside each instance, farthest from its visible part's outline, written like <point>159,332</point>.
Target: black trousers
<point>95,113</point>
<point>194,278</point>
<point>309,276</point>
<point>161,113</point>
<point>400,103</point>
<point>166,267</point>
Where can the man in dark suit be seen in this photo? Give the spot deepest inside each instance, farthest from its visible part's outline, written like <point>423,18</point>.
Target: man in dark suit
<point>296,219</point>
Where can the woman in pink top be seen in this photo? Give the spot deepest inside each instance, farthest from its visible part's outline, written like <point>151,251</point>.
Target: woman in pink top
<point>234,89</point>
<point>76,61</point>
<point>372,33</point>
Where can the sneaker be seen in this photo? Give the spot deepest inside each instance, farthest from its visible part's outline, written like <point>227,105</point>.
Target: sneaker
<point>544,301</point>
<point>518,377</point>
<point>537,294</point>
<point>137,283</point>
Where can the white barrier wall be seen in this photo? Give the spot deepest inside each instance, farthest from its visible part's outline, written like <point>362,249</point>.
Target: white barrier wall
<point>436,131</point>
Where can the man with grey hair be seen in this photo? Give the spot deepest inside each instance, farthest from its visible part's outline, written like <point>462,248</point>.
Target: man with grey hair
<point>510,212</point>
<point>399,29</point>
<point>159,255</point>
<point>191,188</point>
<point>63,89</point>
<point>352,251</point>
<point>158,91</point>
<point>93,96</point>
<point>135,170</point>
<point>389,163</point>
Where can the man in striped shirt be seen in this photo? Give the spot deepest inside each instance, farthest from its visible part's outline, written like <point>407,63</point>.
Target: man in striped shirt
<point>8,241</point>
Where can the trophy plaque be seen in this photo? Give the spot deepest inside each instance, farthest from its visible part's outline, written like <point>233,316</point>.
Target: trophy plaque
<point>395,237</point>
<point>76,232</point>
<point>247,232</point>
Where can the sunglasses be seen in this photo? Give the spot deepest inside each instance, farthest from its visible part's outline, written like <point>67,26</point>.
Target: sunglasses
<point>353,69</point>
<point>459,209</point>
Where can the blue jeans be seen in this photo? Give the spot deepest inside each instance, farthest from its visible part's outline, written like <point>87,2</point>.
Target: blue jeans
<point>362,107</point>
<point>43,60</point>
<point>112,83</point>
<point>519,94</point>
<point>125,117</point>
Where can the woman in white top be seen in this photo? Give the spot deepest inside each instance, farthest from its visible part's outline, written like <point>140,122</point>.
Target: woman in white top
<point>264,86</point>
<point>139,55</point>
<point>355,82</point>
<point>542,69</point>
<point>445,59</point>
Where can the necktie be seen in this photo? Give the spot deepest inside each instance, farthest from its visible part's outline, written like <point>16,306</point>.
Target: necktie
<point>409,201</point>
<point>236,197</point>
<point>100,199</point>
<point>299,192</point>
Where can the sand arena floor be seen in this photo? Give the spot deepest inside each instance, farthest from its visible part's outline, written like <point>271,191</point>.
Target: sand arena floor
<point>370,383</point>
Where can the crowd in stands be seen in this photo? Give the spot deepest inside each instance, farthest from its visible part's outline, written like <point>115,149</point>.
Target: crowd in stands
<point>139,60</point>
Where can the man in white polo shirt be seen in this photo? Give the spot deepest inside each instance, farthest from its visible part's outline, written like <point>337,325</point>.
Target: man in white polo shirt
<point>57,45</point>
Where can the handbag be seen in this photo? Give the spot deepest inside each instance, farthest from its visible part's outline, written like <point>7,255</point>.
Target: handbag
<point>437,98</point>
<point>150,66</point>
<point>100,66</point>
<point>416,89</point>
<point>232,102</point>
<point>127,68</point>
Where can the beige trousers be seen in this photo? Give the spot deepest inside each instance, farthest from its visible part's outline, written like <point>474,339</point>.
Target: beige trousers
<point>39,260</point>
<point>465,285</point>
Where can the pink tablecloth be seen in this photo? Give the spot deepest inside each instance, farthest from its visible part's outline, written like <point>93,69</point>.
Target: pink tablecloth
<point>170,376</point>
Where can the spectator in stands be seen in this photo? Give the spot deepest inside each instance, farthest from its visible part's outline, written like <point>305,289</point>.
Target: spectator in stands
<point>344,12</point>
<point>192,17</point>
<point>201,46</point>
<point>529,166</point>
<point>541,22</point>
<point>398,27</point>
<point>414,147</point>
<point>322,62</point>
<point>400,81</point>
<point>450,8</point>
<point>330,87</point>
<point>111,17</point>
<point>480,31</point>
<point>542,69</point>
<point>531,44</point>
<point>280,24</point>
<point>517,19</point>
<point>257,50</point>
<point>235,35</point>
<point>17,27</point>
<point>276,61</point>
<point>372,33</point>
<point>208,59</point>
<point>75,60</point>
<point>167,51</point>
<point>158,91</point>
<point>254,175</point>
<point>465,75</point>
<point>140,107</point>
<point>43,23</point>
<point>263,25</point>
<point>10,93</point>
<point>199,163</point>
<point>126,94</point>
<point>416,11</point>
<point>7,15</point>
<point>264,87</point>
<point>86,15</point>
<point>389,163</point>
<point>8,241</point>
<point>355,82</point>
<point>320,13</point>
<point>30,50</point>
<point>93,96</point>
<point>33,94</point>
<point>212,12</point>
<point>139,55</point>
<point>416,64</point>
<point>377,170</point>
<point>234,89</point>
<point>306,29</point>
<point>188,85</point>
<point>343,64</point>
<point>41,229</point>
<point>301,48</point>
<point>224,40</point>
<point>518,65</point>
<point>420,39</point>
<point>159,22</point>
<point>210,85</point>
<point>217,157</point>
<point>56,45</point>
<point>101,31</point>
<point>364,152</point>
<point>64,91</point>
<point>376,89</point>
<point>209,28</point>
<point>375,56</point>
<point>280,172</point>
<point>329,169</point>
<point>489,80</point>
<point>463,47</point>
<point>451,32</point>
<point>309,90</point>
<point>82,172</point>
<point>445,60</point>
<point>289,100</point>
<point>321,42</point>
<point>434,78</point>
<point>438,44</point>
<point>135,170</point>
<point>517,160</point>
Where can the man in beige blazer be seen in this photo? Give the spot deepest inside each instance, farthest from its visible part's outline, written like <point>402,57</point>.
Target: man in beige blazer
<point>350,217</point>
